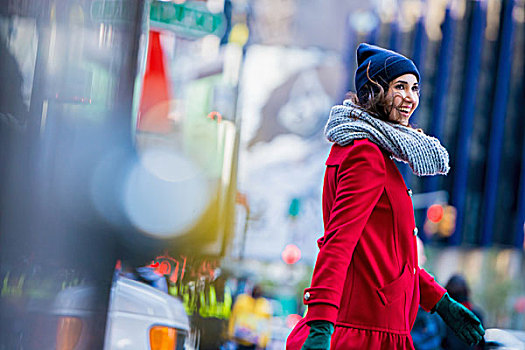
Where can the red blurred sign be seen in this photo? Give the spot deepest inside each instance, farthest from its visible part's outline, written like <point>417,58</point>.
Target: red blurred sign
<point>168,266</point>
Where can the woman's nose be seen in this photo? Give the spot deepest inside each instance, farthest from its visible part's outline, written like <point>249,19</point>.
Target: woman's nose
<point>409,95</point>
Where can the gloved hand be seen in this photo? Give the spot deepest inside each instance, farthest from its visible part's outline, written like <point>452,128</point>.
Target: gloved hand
<point>320,336</point>
<point>461,320</point>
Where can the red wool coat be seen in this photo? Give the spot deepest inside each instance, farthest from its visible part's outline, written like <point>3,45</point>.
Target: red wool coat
<point>366,279</point>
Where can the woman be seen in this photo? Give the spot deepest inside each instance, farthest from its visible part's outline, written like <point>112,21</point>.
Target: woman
<point>367,286</point>
<point>249,325</point>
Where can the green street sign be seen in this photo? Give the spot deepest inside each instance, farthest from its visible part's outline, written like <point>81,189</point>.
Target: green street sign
<point>190,19</point>
<point>113,11</point>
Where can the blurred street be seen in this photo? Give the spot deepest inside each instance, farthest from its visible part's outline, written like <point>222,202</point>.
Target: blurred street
<point>162,163</point>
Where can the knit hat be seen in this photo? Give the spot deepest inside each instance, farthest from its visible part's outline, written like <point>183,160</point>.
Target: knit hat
<point>385,66</point>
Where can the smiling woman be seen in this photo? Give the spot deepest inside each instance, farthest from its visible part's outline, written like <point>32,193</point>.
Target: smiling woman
<point>367,285</point>
<point>386,82</point>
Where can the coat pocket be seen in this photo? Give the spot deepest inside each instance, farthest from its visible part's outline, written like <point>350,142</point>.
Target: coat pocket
<point>395,289</point>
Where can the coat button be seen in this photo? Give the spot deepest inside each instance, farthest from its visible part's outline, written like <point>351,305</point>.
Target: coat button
<point>415,231</point>
<point>409,191</point>
<point>307,296</point>
<point>414,270</point>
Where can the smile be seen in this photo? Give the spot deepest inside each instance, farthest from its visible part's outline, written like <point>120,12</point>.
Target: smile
<point>404,110</point>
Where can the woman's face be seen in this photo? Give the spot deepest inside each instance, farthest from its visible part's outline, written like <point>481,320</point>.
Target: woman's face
<point>403,96</point>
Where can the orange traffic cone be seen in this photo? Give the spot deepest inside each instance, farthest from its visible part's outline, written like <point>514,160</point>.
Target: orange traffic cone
<point>155,98</point>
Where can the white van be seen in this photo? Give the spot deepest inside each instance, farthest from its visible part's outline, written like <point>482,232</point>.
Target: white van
<point>140,317</point>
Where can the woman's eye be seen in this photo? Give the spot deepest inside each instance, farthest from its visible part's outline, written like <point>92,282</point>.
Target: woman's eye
<point>415,88</point>
<point>399,86</point>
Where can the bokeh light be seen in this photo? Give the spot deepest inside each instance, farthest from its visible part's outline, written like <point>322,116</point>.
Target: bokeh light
<point>291,254</point>
<point>435,213</point>
<point>165,193</point>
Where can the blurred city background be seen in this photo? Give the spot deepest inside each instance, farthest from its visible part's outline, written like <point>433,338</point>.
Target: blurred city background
<point>185,139</point>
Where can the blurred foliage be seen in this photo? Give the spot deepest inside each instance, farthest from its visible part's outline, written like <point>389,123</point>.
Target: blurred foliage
<point>496,292</point>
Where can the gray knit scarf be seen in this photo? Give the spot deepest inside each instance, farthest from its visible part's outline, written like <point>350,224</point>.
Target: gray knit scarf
<point>424,154</point>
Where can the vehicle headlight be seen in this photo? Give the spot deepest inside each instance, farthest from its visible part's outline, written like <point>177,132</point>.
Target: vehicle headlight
<point>162,338</point>
<point>68,332</point>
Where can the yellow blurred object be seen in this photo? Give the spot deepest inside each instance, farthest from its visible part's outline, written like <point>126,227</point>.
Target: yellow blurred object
<point>68,332</point>
<point>430,227</point>
<point>447,225</point>
<point>162,338</point>
<point>441,219</point>
<point>239,34</point>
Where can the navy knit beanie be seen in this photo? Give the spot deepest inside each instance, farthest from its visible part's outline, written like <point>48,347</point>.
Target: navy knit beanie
<point>385,66</point>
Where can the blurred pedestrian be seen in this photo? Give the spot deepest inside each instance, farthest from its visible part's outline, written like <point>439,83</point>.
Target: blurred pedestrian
<point>428,330</point>
<point>249,326</point>
<point>457,287</point>
<point>366,283</point>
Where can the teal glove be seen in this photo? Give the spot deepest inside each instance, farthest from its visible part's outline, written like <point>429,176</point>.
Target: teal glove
<point>461,320</point>
<point>320,336</point>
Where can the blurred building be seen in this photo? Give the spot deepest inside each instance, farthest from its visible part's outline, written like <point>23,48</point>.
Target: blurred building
<point>471,60</point>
